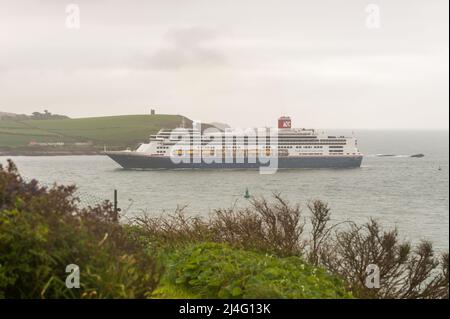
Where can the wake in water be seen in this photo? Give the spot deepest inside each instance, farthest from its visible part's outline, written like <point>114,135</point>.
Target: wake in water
<point>395,155</point>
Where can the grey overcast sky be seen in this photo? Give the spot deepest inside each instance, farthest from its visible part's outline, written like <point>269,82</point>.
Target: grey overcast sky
<point>241,62</point>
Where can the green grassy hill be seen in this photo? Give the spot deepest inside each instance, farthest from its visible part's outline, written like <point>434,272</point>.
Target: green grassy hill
<point>113,131</point>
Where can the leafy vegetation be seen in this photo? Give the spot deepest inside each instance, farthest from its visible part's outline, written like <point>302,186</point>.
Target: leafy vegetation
<point>42,231</point>
<point>345,249</point>
<point>268,250</point>
<point>211,270</point>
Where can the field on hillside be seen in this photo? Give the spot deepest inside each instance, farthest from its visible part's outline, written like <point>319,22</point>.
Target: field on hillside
<point>118,131</point>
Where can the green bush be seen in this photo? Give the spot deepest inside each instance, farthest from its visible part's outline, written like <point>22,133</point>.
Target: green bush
<point>344,249</point>
<point>259,252</point>
<point>42,231</point>
<point>211,270</point>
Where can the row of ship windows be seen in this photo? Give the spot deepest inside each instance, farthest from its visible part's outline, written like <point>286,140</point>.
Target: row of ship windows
<point>263,144</point>
<point>331,151</point>
<point>300,151</point>
<point>323,144</point>
<point>305,136</point>
<point>284,144</point>
<point>279,147</point>
<point>307,146</point>
<point>245,137</point>
<point>267,139</point>
<point>303,153</point>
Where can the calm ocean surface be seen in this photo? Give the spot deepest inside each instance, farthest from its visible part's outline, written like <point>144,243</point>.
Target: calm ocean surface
<point>410,193</point>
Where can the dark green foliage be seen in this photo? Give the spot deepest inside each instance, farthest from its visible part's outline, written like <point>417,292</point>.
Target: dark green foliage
<point>211,270</point>
<point>257,252</point>
<point>42,231</point>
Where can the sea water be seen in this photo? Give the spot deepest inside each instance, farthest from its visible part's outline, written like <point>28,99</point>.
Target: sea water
<point>399,191</point>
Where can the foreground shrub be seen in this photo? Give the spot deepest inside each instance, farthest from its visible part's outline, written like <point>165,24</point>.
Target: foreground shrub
<point>269,227</point>
<point>404,272</point>
<point>344,249</point>
<point>264,251</point>
<point>211,270</point>
<point>42,231</point>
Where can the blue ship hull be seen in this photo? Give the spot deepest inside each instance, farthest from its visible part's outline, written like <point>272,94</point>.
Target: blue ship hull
<point>133,160</point>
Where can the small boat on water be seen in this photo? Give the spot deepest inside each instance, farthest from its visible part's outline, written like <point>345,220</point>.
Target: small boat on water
<point>418,155</point>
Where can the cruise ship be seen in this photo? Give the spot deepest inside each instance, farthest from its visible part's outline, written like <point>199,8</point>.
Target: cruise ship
<point>276,148</point>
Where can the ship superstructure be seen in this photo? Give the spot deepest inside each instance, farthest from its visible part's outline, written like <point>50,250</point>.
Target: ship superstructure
<point>194,148</point>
